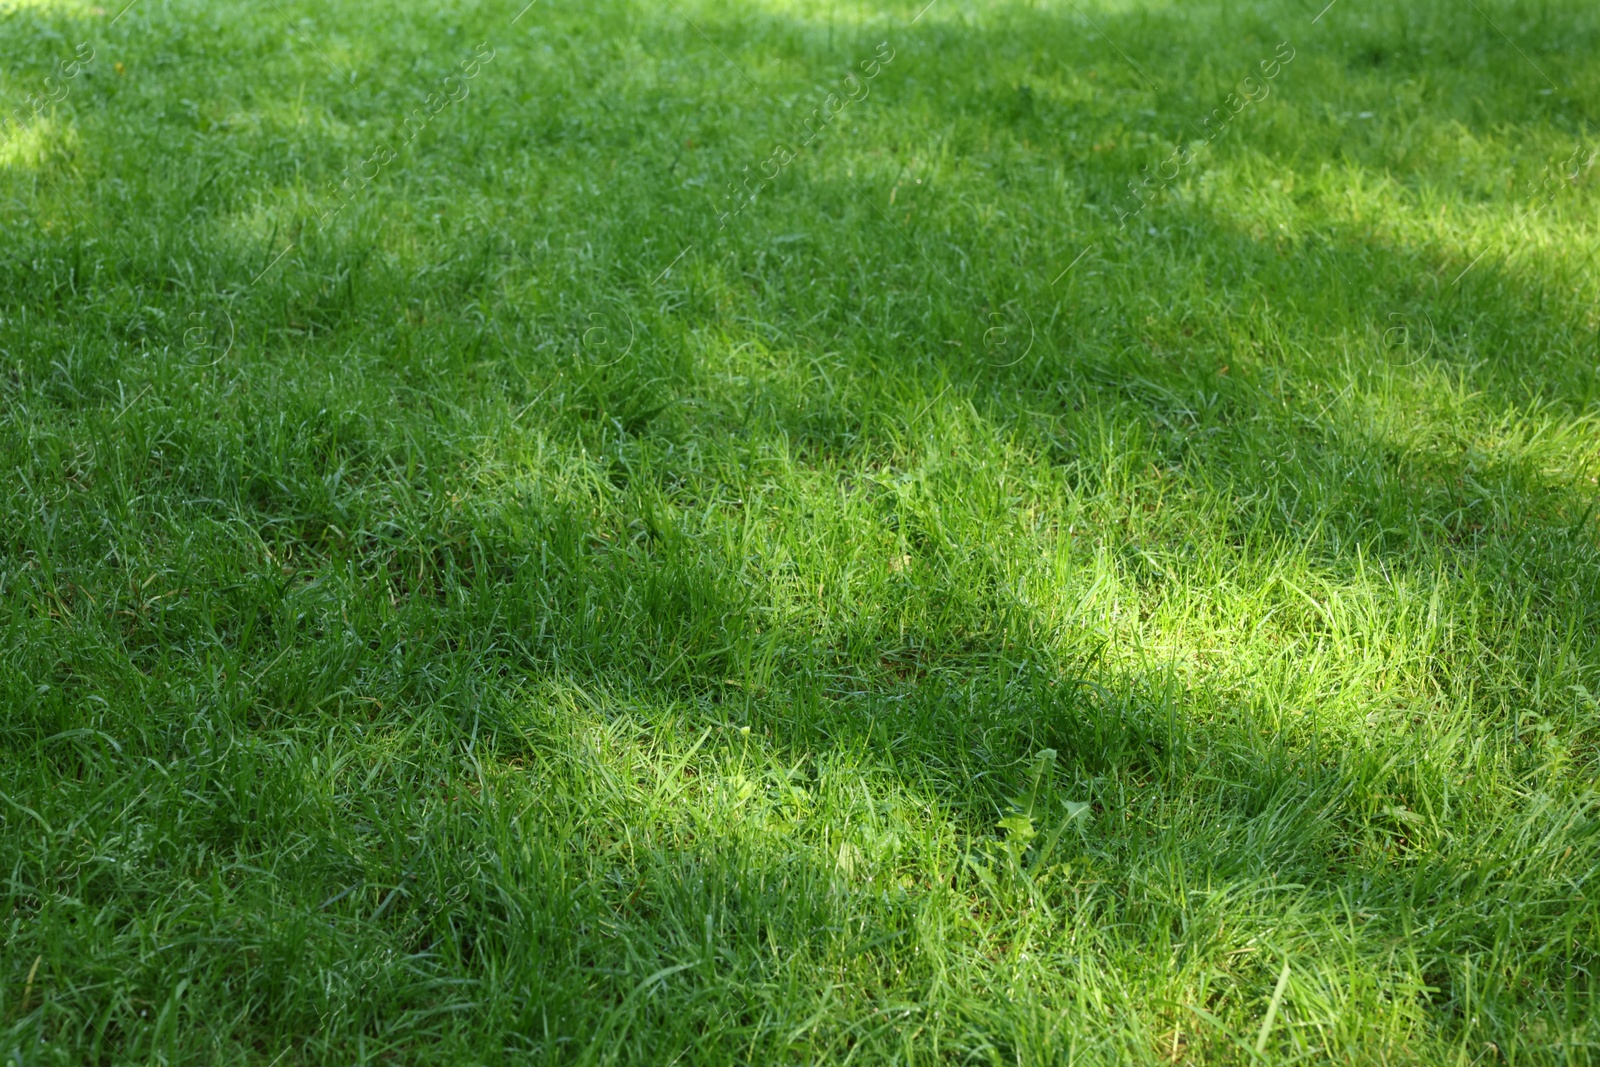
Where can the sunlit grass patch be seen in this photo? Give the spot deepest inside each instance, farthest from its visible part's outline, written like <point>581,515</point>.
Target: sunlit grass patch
<point>31,146</point>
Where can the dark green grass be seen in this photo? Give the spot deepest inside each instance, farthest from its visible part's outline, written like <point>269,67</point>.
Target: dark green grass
<point>521,620</point>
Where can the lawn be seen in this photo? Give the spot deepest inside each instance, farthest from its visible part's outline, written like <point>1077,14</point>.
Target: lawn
<point>794,531</point>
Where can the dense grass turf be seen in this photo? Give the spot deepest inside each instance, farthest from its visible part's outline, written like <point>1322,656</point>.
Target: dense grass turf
<point>527,602</point>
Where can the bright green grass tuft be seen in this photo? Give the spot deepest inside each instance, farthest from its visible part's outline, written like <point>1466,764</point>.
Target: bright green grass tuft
<point>515,619</point>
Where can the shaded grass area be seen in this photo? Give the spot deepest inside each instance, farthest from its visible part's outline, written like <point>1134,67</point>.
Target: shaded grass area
<point>922,621</point>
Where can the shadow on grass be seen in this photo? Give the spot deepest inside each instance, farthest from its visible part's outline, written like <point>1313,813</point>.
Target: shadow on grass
<point>407,565</point>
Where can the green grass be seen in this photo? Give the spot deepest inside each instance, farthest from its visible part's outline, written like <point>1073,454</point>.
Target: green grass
<point>459,631</point>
